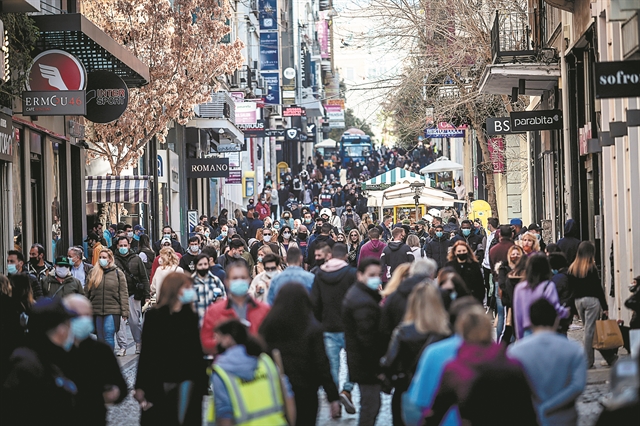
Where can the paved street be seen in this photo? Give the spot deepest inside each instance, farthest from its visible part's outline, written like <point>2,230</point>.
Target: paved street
<point>589,408</point>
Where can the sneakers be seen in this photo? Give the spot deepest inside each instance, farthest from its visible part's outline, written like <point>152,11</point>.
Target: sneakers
<point>121,352</point>
<point>138,348</point>
<point>345,399</point>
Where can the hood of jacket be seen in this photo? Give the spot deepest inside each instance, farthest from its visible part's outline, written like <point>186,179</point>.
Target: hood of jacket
<point>376,245</point>
<point>571,229</point>
<point>236,361</point>
<point>395,245</point>
<point>333,276</point>
<point>333,265</point>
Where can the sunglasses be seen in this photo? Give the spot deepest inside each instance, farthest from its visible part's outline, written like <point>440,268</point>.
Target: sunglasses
<point>267,235</point>
<point>271,269</point>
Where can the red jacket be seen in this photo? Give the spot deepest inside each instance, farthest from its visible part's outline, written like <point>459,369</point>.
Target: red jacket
<point>221,311</point>
<point>263,210</point>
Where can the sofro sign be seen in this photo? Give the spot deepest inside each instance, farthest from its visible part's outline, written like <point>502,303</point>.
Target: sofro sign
<point>207,167</point>
<point>525,121</point>
<point>617,79</point>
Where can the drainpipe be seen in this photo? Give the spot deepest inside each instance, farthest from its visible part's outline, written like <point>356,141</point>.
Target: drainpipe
<point>566,136</point>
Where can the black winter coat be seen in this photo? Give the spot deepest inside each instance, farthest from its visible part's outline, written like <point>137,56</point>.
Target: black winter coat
<point>311,251</point>
<point>394,254</point>
<point>135,272</point>
<point>395,306</point>
<point>327,294</point>
<point>361,317</point>
<point>438,249</point>
<point>471,275</point>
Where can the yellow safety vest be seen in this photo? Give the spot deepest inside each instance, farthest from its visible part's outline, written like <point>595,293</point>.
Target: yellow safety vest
<point>256,402</point>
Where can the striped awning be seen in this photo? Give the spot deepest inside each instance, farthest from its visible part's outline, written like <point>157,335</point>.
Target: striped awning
<point>390,178</point>
<point>117,189</point>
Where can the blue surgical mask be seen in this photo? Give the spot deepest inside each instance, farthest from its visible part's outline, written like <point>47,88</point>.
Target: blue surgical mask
<point>81,327</point>
<point>136,237</point>
<point>374,283</point>
<point>123,250</point>
<point>69,342</point>
<point>188,295</point>
<point>538,236</point>
<point>130,234</point>
<point>439,234</point>
<point>554,271</point>
<point>12,269</point>
<point>466,232</point>
<point>239,287</point>
<point>259,259</point>
<point>104,262</point>
<point>168,236</point>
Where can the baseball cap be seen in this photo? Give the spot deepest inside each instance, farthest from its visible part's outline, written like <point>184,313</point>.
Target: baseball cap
<point>165,241</point>
<point>421,222</point>
<point>47,314</point>
<point>406,222</point>
<point>62,261</point>
<point>139,228</point>
<point>516,222</point>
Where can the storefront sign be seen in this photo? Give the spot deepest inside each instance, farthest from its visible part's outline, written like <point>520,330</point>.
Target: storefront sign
<point>525,121</point>
<point>268,15</point>
<point>246,113</point>
<point>235,177</point>
<point>499,126</point>
<point>68,102</point>
<point>277,133</point>
<point>207,167</point>
<point>294,112</point>
<point>56,70</point>
<point>617,79</point>
<point>228,147</point>
<point>292,135</point>
<point>443,133</point>
<point>107,97</point>
<point>253,130</point>
<point>272,80</point>
<point>6,138</point>
<point>269,52</point>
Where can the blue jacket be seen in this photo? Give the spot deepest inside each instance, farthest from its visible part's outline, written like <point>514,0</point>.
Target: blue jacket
<point>426,382</point>
<point>292,274</point>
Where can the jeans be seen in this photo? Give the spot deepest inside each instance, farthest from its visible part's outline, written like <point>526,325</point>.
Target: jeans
<point>135,323</point>
<point>501,311</point>
<point>369,404</point>
<point>589,311</point>
<point>106,327</point>
<point>333,344</point>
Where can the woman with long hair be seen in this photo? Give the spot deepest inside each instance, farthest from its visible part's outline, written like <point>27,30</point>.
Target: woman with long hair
<point>168,263</point>
<point>537,285</point>
<point>452,286</point>
<point>365,221</point>
<point>590,299</point>
<point>400,273</point>
<point>464,262</point>
<point>107,290</point>
<point>510,274</point>
<point>291,328</point>
<point>425,322</point>
<point>146,253</point>
<point>258,268</point>
<point>529,243</point>
<point>341,238</point>
<point>414,242</point>
<point>172,378</point>
<point>353,247</point>
<point>286,236</point>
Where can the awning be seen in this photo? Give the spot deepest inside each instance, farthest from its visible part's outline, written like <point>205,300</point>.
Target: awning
<point>117,189</point>
<point>313,106</point>
<point>76,34</point>
<point>442,164</point>
<point>403,194</point>
<point>390,178</point>
<point>500,79</point>
<point>225,129</point>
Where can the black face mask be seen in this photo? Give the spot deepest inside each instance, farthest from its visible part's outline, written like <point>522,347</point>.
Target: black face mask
<point>319,262</point>
<point>220,349</point>
<point>462,256</point>
<point>34,261</point>
<point>302,236</point>
<point>203,272</point>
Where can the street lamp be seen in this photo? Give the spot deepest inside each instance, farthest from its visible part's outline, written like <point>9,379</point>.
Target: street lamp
<point>417,188</point>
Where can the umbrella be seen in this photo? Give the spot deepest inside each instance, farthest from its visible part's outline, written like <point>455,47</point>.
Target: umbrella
<point>442,164</point>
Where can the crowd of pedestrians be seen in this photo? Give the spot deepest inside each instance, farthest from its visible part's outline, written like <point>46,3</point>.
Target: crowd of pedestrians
<point>258,308</point>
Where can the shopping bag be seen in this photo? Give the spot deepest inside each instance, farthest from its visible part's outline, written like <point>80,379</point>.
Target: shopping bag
<point>607,335</point>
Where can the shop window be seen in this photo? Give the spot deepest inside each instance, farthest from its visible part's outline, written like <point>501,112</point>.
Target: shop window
<point>17,190</point>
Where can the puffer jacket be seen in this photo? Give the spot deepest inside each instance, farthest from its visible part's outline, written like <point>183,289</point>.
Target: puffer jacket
<point>438,249</point>
<point>133,265</point>
<point>52,287</point>
<point>111,297</point>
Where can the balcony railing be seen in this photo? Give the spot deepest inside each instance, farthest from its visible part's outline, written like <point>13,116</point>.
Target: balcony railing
<point>510,39</point>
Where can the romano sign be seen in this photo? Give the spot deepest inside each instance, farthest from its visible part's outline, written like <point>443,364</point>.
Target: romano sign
<point>207,167</point>
<point>617,79</point>
<point>525,121</point>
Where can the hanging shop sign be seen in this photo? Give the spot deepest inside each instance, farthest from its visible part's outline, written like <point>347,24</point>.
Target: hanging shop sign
<point>292,135</point>
<point>207,167</point>
<point>499,126</point>
<point>107,97</point>
<point>6,137</point>
<point>617,79</point>
<point>272,80</point>
<point>268,11</point>
<point>443,133</point>
<point>246,113</point>
<point>269,52</point>
<point>67,102</point>
<point>56,70</point>
<point>276,133</point>
<point>256,130</point>
<point>294,111</point>
<point>525,121</point>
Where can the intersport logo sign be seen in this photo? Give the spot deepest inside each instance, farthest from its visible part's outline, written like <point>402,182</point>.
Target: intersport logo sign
<point>525,121</point>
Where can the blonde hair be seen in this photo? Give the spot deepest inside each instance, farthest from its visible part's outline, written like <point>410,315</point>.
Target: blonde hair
<point>530,236</point>
<point>5,286</point>
<point>97,273</point>
<point>400,273</point>
<point>585,260</point>
<point>265,249</point>
<point>168,257</point>
<point>426,311</point>
<point>413,241</point>
<point>474,325</point>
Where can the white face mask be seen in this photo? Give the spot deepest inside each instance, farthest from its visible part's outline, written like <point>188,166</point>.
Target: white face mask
<point>62,271</point>
<point>267,238</point>
<point>287,235</point>
<point>194,249</point>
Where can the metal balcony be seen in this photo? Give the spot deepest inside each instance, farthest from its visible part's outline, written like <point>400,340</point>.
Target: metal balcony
<point>510,39</point>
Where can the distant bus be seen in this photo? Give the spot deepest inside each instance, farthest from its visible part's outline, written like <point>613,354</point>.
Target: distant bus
<point>355,146</point>
<point>328,148</point>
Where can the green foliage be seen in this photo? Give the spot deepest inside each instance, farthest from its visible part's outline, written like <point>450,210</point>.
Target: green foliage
<point>22,35</point>
<point>351,121</point>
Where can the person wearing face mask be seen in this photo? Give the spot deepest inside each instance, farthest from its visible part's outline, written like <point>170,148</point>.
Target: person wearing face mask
<point>16,265</point>
<point>349,214</point>
<point>107,290</point>
<point>263,207</point>
<point>260,285</point>
<point>193,250</point>
<point>238,305</point>
<point>37,265</point>
<point>96,386</point>
<point>464,262</point>
<point>285,237</point>
<point>466,234</point>
<point>172,379</point>
<point>438,248</point>
<point>286,219</point>
<point>303,240</point>
<point>41,370</point>
<point>364,345</point>
<point>208,287</point>
<point>167,234</point>
<point>59,282</point>
<point>79,268</point>
<point>308,220</point>
<point>510,273</point>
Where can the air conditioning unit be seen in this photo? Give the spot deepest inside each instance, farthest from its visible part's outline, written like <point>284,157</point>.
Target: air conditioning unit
<point>220,106</point>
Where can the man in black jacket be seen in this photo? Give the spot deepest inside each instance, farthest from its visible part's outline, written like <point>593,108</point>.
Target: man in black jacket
<point>361,317</point>
<point>570,242</point>
<point>332,281</point>
<point>325,230</point>
<point>167,231</point>
<point>95,369</point>
<point>395,253</point>
<point>438,248</point>
<point>467,235</point>
<point>139,292</point>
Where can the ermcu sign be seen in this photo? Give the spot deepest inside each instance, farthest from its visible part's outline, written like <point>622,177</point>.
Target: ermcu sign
<point>617,79</point>
<point>67,102</point>
<point>207,167</point>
